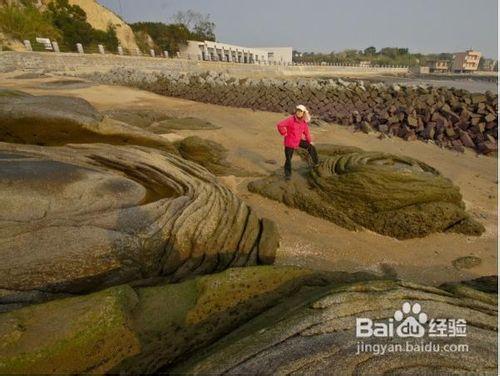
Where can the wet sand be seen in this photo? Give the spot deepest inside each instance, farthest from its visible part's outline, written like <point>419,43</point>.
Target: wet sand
<point>308,241</point>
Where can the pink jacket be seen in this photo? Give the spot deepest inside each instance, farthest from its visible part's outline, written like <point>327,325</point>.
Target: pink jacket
<point>293,129</point>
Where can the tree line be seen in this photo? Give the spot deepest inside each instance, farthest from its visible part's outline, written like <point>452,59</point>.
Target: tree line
<point>384,56</point>
<point>67,24</point>
<point>60,21</point>
<point>186,25</point>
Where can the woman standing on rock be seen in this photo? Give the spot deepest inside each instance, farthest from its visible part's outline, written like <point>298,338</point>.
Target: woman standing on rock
<point>293,128</point>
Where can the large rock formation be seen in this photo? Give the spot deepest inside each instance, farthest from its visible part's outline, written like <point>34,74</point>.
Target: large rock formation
<point>392,195</point>
<point>158,122</point>
<point>318,336</point>
<point>209,154</point>
<point>255,320</point>
<point>58,120</point>
<point>122,329</point>
<point>449,117</point>
<point>93,235</point>
<point>83,217</point>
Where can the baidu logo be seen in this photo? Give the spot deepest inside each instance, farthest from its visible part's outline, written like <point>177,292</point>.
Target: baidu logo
<point>407,322</point>
<point>410,324</point>
<point>411,320</point>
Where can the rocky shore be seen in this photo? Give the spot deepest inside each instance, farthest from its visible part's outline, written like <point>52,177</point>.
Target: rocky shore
<point>449,117</point>
<point>123,253</point>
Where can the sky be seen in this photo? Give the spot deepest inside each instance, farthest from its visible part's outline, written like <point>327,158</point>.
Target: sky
<point>426,26</point>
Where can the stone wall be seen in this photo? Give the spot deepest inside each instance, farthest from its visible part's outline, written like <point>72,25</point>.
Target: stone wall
<point>68,62</point>
<point>449,117</point>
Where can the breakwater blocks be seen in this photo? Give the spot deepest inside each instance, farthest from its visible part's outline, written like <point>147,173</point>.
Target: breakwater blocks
<point>451,118</point>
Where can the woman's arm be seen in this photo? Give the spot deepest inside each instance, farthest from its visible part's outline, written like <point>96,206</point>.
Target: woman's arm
<point>282,126</point>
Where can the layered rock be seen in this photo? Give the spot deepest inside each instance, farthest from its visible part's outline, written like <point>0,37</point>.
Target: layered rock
<point>392,195</point>
<point>58,120</point>
<point>449,117</point>
<point>255,320</point>
<point>138,330</point>
<point>209,154</point>
<point>318,336</point>
<point>158,122</point>
<point>83,217</point>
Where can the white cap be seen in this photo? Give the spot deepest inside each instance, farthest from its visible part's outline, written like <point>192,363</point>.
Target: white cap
<point>301,107</point>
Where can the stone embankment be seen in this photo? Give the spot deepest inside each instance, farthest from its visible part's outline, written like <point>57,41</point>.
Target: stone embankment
<point>75,62</point>
<point>449,117</point>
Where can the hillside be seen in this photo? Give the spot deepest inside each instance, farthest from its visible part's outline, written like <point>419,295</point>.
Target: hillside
<point>98,16</point>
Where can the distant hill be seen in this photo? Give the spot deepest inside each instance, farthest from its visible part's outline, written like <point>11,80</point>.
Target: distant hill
<point>98,16</point>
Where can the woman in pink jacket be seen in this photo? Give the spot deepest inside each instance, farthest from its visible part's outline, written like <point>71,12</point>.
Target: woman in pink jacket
<point>293,128</point>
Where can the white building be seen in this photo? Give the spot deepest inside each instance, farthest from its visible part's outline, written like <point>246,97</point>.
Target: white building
<point>216,51</point>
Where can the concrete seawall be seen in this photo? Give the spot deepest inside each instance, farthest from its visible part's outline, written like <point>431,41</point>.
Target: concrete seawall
<point>71,62</point>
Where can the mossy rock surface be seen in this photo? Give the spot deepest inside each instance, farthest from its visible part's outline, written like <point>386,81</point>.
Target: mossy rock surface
<point>317,335</point>
<point>188,123</point>
<point>209,154</point>
<point>68,336</point>
<point>137,117</point>
<point>174,321</point>
<point>4,92</point>
<point>392,195</point>
<point>253,320</point>
<point>122,329</point>
<point>30,76</point>
<point>467,262</point>
<point>484,288</point>
<point>83,217</point>
<point>59,120</point>
<point>157,121</point>
<point>66,84</point>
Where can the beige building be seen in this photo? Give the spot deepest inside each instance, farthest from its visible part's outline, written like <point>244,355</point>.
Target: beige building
<point>439,66</point>
<point>216,51</point>
<point>280,55</point>
<point>467,61</point>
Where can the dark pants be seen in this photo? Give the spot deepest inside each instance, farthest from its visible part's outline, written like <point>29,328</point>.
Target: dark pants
<point>289,153</point>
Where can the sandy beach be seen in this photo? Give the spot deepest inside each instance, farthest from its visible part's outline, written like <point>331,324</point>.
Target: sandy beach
<point>308,241</point>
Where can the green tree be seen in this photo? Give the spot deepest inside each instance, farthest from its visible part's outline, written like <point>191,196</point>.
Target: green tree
<point>71,20</point>
<point>26,23</point>
<point>370,51</point>
<point>107,38</point>
<point>200,26</point>
<point>169,37</point>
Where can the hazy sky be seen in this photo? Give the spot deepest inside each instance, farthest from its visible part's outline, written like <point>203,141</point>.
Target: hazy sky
<point>334,25</point>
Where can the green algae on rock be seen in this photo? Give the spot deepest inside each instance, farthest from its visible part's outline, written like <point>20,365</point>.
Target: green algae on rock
<point>158,122</point>
<point>59,120</point>
<point>318,336</point>
<point>74,335</point>
<point>122,329</point>
<point>209,154</point>
<point>253,320</point>
<point>83,217</point>
<point>392,195</point>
